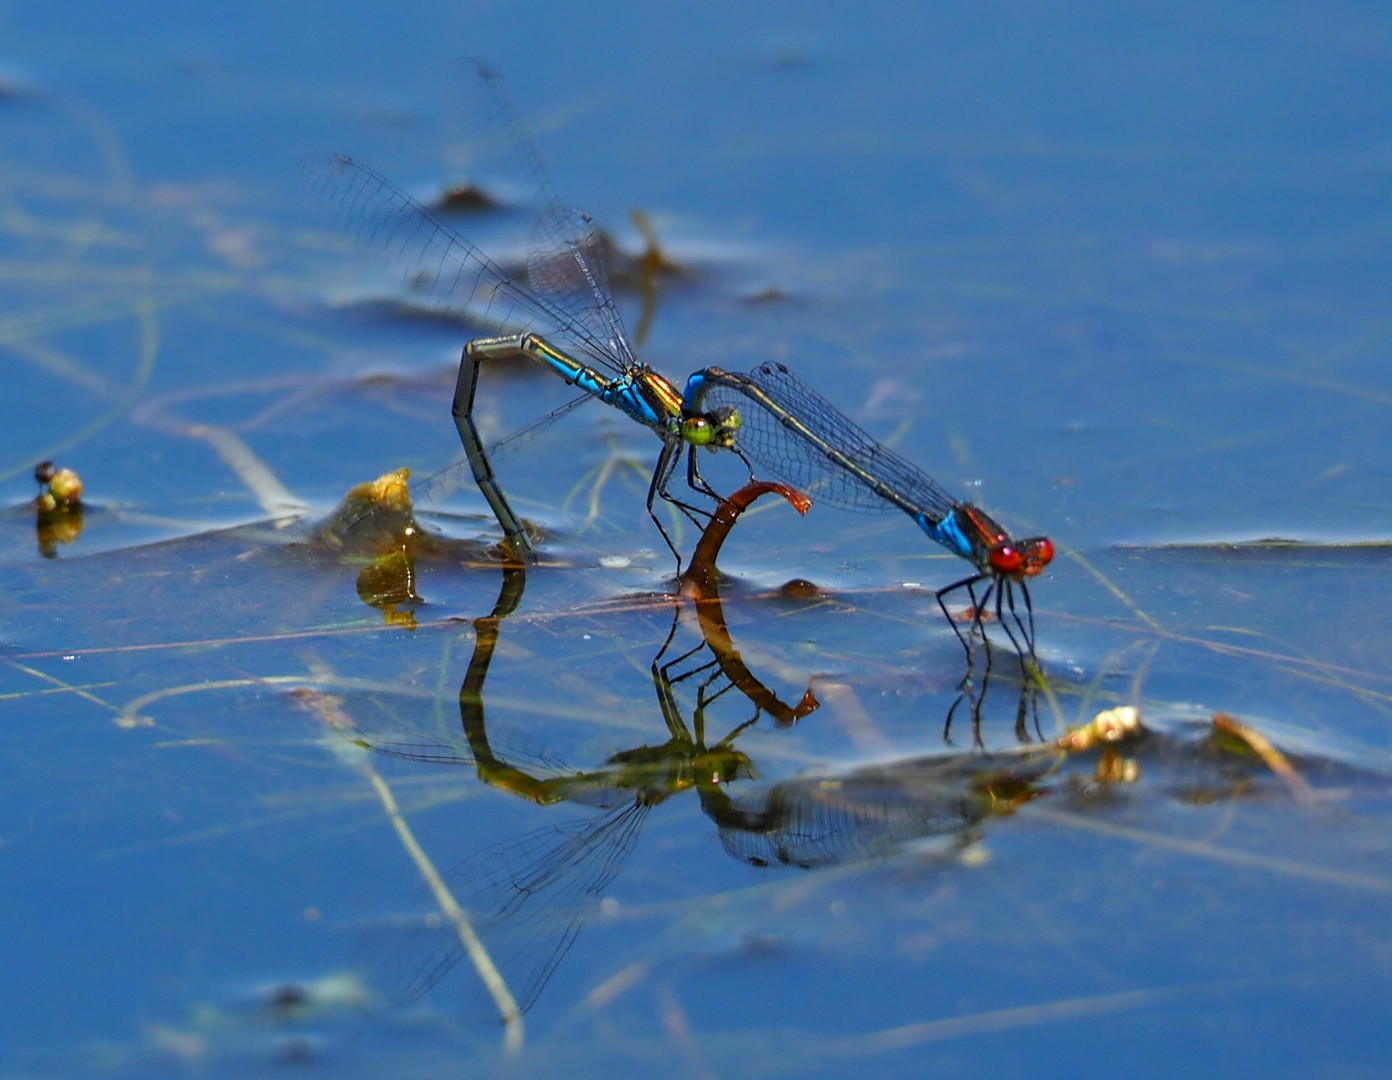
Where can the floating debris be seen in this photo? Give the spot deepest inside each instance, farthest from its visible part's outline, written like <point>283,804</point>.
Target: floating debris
<point>1251,739</point>
<point>377,515</point>
<point>57,508</point>
<point>376,520</point>
<point>1107,727</point>
<point>62,489</point>
<point>467,196</point>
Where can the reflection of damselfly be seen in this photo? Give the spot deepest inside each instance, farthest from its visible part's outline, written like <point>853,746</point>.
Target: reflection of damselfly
<point>799,438</point>
<point>533,893</point>
<point>564,314</point>
<point>872,810</point>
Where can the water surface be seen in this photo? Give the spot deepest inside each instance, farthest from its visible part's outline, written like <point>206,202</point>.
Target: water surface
<point>1119,277</point>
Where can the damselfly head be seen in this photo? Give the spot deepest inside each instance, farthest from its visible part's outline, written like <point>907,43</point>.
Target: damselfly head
<point>1005,559</point>
<point>698,431</point>
<point>1003,554</point>
<point>727,421</point>
<point>1021,558</point>
<point>715,429</point>
<point>722,765</point>
<point>1038,552</point>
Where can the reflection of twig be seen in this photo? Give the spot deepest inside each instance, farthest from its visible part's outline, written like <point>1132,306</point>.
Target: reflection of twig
<point>483,963</point>
<point>513,1031</point>
<point>711,616</point>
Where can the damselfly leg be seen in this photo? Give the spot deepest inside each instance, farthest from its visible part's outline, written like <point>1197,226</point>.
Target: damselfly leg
<point>1002,590</point>
<point>479,465</point>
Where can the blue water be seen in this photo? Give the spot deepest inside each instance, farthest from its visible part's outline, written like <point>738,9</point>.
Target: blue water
<point>1119,276</point>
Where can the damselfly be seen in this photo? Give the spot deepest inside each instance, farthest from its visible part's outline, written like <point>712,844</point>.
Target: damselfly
<point>804,441</point>
<point>564,315</point>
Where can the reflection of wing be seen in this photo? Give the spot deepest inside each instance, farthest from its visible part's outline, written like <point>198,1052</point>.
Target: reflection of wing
<point>363,720</point>
<point>821,820</point>
<point>412,746</point>
<point>530,896</point>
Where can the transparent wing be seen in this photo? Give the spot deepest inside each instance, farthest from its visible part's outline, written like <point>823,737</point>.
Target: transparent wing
<point>565,262</point>
<point>565,266</point>
<point>438,486</point>
<point>796,454</point>
<point>439,265</point>
<point>362,720</point>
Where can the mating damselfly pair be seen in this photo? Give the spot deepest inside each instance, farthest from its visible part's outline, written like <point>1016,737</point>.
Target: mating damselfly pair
<point>564,316</point>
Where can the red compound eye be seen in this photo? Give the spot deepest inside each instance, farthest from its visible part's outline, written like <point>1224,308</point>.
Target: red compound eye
<point>1035,555</point>
<point>1006,559</point>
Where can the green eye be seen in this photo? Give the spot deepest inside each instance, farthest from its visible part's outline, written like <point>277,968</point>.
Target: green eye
<point>713,429</point>
<point>697,431</point>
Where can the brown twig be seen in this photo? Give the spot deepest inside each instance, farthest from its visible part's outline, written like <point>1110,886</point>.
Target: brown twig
<point>699,579</point>
<point>1272,758</point>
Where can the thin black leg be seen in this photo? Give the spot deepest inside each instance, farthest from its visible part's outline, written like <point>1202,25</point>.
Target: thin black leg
<point>1007,592</point>
<point>698,516</point>
<point>697,483</point>
<point>1029,610</point>
<point>666,463</point>
<point>969,584</point>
